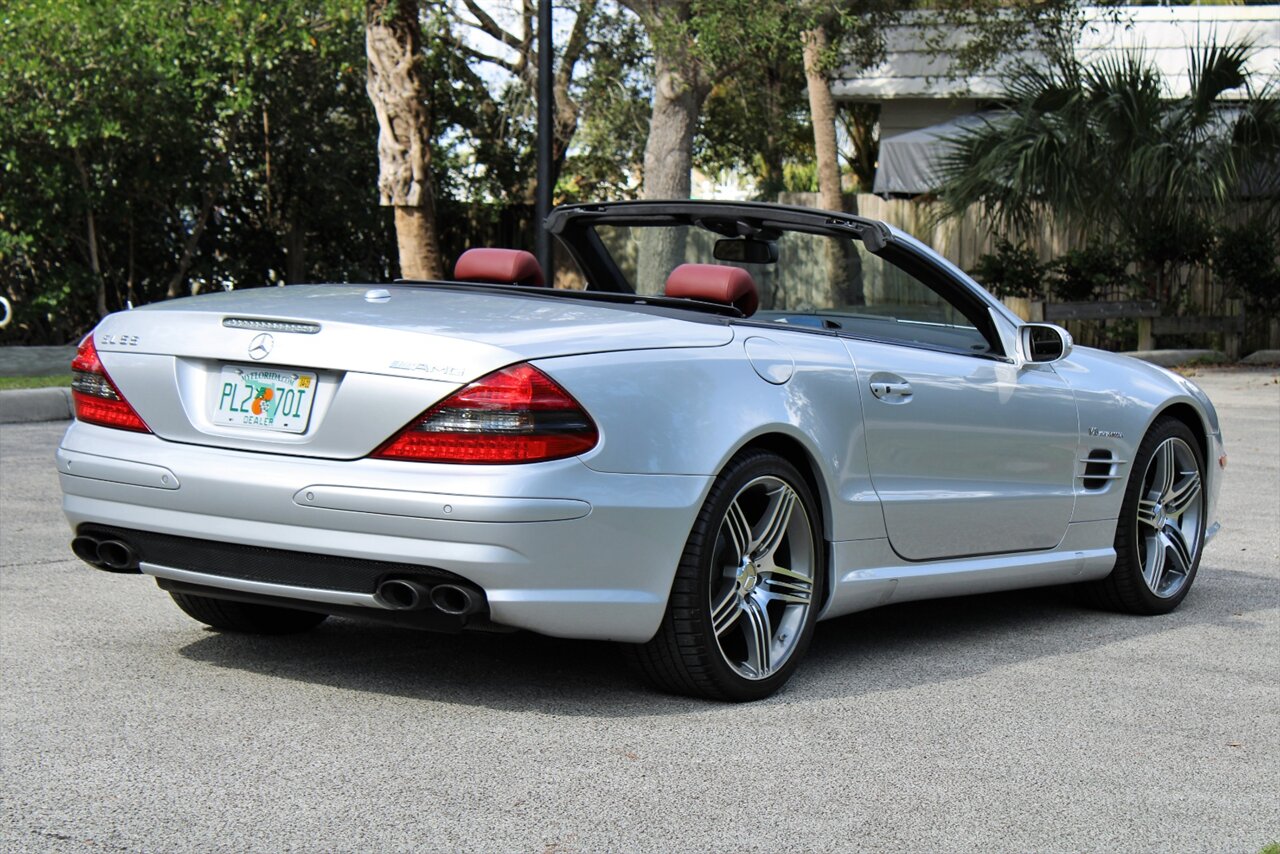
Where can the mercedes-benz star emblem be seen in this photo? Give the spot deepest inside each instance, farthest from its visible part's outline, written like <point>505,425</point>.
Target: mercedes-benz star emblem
<point>260,346</point>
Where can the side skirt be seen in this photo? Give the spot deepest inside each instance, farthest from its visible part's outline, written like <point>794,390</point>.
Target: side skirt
<point>869,574</point>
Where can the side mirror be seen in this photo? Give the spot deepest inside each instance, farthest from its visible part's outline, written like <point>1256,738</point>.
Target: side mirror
<point>1044,342</point>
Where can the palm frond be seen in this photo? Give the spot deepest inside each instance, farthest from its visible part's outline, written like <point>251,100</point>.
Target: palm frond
<point>1214,69</point>
<point>1107,145</point>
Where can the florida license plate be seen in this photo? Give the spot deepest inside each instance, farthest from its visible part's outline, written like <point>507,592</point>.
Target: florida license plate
<point>265,398</point>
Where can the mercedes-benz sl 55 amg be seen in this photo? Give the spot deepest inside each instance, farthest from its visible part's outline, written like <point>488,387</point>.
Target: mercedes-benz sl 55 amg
<point>749,417</point>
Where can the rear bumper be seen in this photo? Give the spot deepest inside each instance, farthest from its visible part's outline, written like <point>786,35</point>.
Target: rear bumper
<point>556,547</point>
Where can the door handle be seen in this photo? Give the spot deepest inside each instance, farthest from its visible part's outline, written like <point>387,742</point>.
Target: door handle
<point>884,390</point>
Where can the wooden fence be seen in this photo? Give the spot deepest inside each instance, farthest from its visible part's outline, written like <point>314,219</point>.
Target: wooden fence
<point>965,239</point>
<point>1149,320</point>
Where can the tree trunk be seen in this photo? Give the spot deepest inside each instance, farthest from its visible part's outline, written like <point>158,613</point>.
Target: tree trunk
<point>393,39</point>
<point>822,107</point>
<point>862,133</point>
<point>91,227</point>
<point>567,110</point>
<point>843,263</point>
<point>772,175</point>
<point>668,163</point>
<point>101,293</point>
<point>668,153</point>
<point>415,228</point>
<point>189,247</point>
<point>130,283</point>
<point>295,247</point>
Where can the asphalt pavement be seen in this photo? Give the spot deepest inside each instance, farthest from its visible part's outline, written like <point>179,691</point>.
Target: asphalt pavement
<point>1008,722</point>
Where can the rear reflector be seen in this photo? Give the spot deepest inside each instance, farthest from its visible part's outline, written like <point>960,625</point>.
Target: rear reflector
<point>515,415</point>
<point>96,398</point>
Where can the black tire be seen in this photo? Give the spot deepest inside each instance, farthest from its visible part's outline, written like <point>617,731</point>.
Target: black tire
<point>757,597</point>
<point>1144,522</point>
<point>247,617</point>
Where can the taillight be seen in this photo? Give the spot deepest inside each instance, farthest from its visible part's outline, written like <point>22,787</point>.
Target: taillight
<point>515,415</point>
<point>96,397</point>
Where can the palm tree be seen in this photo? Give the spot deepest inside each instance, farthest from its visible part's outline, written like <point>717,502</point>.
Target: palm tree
<point>1111,154</point>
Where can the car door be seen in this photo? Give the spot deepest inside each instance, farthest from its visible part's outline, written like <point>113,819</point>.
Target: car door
<point>969,451</point>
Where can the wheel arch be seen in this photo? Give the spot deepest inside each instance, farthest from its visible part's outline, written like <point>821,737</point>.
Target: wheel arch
<point>1194,419</point>
<point>1190,416</point>
<point>793,451</point>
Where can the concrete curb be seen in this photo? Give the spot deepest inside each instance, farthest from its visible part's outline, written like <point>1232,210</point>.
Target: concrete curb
<point>35,404</point>
<point>1262,357</point>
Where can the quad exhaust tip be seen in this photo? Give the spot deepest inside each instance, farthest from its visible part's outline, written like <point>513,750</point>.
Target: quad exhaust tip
<point>454,599</point>
<point>109,555</point>
<point>396,594</point>
<point>86,548</point>
<point>399,594</point>
<point>402,594</point>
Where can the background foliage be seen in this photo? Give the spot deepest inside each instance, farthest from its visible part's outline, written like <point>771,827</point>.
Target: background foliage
<point>152,148</point>
<point>1110,152</point>
<point>155,148</point>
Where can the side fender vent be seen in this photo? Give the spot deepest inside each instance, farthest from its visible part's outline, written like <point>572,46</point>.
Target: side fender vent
<point>1100,467</point>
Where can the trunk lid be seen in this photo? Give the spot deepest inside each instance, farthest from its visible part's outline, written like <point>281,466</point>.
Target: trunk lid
<point>372,357</point>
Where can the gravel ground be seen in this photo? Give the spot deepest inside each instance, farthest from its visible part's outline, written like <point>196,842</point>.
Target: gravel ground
<point>1008,722</point>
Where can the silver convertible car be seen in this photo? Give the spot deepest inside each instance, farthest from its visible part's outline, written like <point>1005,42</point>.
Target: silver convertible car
<point>748,418</point>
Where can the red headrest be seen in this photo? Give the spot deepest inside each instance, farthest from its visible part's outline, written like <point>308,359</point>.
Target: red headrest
<point>715,283</point>
<point>498,267</point>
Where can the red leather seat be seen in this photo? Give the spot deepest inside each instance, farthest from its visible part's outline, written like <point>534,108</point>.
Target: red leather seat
<point>715,283</point>
<point>498,267</point>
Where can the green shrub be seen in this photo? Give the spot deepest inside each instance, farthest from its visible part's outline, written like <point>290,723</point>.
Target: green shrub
<point>1244,259</point>
<point>1010,271</point>
<point>1086,274</point>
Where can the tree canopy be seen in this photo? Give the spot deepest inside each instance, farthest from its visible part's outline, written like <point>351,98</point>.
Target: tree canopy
<point>154,148</point>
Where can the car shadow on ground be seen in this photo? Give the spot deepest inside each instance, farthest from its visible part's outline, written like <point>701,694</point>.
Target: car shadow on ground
<point>887,649</point>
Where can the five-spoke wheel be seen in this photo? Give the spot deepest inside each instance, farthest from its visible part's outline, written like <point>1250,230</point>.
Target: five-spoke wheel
<point>1161,527</point>
<point>747,590</point>
<point>761,598</point>
<point>1168,515</point>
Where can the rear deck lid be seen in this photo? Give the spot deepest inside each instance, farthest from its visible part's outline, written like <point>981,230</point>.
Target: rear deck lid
<point>342,367</point>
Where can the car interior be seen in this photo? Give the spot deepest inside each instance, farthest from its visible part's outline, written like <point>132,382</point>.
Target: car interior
<point>808,277</point>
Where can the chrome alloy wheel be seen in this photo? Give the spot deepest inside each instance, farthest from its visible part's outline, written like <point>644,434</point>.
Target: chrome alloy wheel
<point>761,586</point>
<point>1170,511</point>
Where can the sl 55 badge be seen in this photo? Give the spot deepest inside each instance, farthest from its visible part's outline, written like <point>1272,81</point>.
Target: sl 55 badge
<point>116,340</point>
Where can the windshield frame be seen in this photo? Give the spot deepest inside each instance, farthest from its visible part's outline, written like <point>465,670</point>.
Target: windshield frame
<point>574,226</point>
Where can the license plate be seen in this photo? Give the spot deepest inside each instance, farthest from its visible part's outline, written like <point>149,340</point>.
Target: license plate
<point>265,398</point>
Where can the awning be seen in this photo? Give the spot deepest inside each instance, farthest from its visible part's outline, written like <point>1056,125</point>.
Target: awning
<point>908,161</point>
